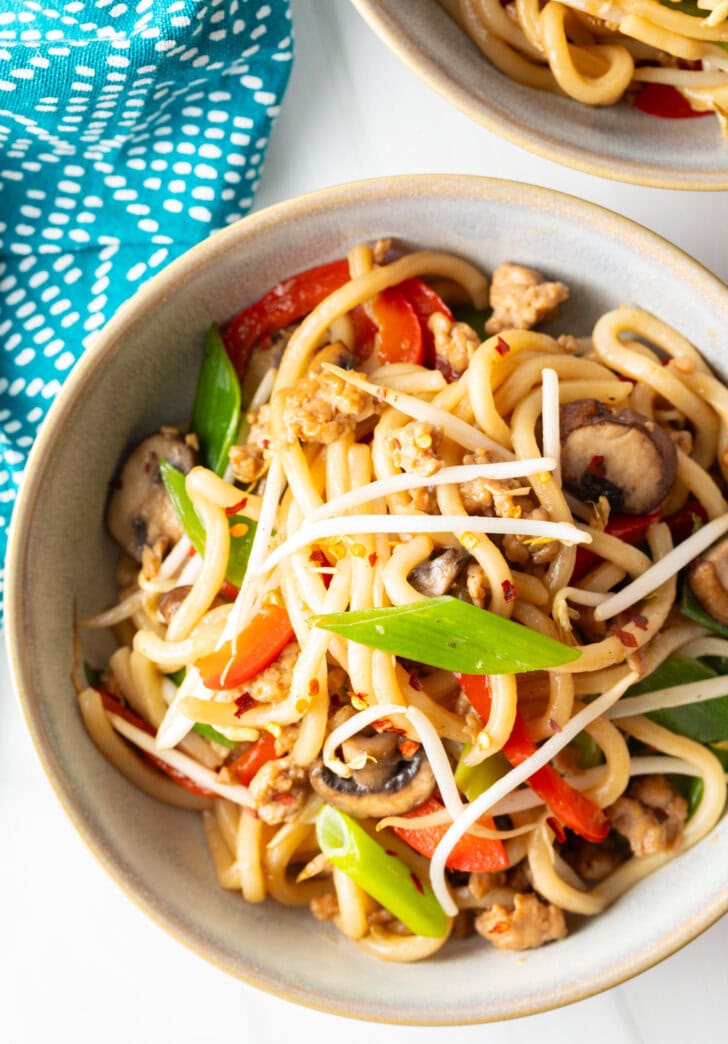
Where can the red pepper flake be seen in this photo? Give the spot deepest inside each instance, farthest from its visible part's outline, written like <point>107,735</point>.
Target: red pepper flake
<point>627,639</point>
<point>415,682</point>
<point>236,507</point>
<point>596,466</point>
<point>416,882</point>
<point>639,621</point>
<point>282,798</point>
<point>191,553</point>
<point>554,725</point>
<point>248,810</point>
<point>396,444</point>
<point>557,828</point>
<point>510,591</point>
<point>385,725</point>
<point>388,851</point>
<point>313,687</point>
<point>408,747</point>
<point>372,558</point>
<point>243,702</point>
<point>499,928</point>
<point>265,443</point>
<point>502,347</point>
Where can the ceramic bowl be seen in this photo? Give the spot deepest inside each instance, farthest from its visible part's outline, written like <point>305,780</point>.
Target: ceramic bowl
<point>617,142</point>
<point>141,373</point>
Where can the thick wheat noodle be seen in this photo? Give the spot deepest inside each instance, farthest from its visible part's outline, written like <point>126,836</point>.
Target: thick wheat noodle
<point>277,856</point>
<point>249,857</point>
<point>498,402</point>
<point>615,353</point>
<point>209,582</point>
<point>697,480</point>
<point>587,49</point>
<point>114,749</point>
<point>171,656</point>
<point>527,376</point>
<point>354,905</point>
<point>616,754</point>
<point>486,553</point>
<point>503,56</point>
<point>226,869</point>
<point>486,372</point>
<point>364,288</point>
<point>402,949</point>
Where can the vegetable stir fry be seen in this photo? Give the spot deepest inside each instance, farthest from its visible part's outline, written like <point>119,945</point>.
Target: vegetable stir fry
<point>427,611</point>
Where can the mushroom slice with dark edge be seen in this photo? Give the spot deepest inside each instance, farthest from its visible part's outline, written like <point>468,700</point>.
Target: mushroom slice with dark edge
<point>618,454</point>
<point>436,575</point>
<point>385,784</point>
<point>708,578</point>
<point>140,512</point>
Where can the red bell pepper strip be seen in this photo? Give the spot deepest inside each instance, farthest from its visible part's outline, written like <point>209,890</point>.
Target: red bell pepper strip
<point>255,648</point>
<point>661,99</point>
<point>572,808</point>
<point>425,302</point>
<point>399,337</point>
<point>246,765</point>
<point>472,854</point>
<point>115,707</point>
<point>289,300</point>
<point>630,528</point>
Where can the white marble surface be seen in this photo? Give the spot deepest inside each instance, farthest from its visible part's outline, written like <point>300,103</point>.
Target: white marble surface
<point>79,960</point>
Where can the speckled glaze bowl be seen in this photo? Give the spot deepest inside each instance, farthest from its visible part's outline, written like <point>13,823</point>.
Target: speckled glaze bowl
<point>140,374</point>
<point>618,141</point>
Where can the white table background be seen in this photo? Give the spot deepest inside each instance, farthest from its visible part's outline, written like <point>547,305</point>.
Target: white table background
<point>78,957</point>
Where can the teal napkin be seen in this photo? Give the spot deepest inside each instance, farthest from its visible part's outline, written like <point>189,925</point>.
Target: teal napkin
<point>128,132</point>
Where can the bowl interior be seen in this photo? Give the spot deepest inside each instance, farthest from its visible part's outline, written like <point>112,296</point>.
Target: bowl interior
<point>141,374</point>
<point>616,141</point>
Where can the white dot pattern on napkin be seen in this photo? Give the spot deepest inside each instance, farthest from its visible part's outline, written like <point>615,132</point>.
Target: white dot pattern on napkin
<point>128,131</point>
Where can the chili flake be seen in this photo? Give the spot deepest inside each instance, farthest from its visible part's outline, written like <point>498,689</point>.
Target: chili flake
<point>510,591</point>
<point>408,748</point>
<point>596,466</point>
<point>243,702</point>
<point>502,347</point>
<point>627,639</point>
<point>236,507</point>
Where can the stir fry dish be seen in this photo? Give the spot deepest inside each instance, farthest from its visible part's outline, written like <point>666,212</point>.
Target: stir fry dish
<point>425,611</point>
<point>667,57</point>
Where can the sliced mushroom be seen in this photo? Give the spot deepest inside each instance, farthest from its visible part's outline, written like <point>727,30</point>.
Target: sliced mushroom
<point>170,602</point>
<point>708,578</point>
<point>264,356</point>
<point>140,512</point>
<point>621,455</point>
<point>389,785</point>
<point>337,354</point>
<point>436,575</point>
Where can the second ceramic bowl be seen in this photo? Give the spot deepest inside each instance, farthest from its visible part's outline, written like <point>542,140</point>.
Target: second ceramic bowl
<point>618,141</point>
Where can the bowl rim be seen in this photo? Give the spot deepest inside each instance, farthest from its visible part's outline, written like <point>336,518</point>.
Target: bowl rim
<point>429,186</point>
<point>514,130</point>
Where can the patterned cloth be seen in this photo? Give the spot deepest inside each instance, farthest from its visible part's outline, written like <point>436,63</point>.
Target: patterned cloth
<point>128,131</point>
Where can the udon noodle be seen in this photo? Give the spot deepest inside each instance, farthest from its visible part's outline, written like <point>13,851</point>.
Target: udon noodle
<point>669,57</point>
<point>393,457</point>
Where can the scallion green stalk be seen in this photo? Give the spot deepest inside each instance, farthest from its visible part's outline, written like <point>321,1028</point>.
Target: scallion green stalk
<point>383,876</point>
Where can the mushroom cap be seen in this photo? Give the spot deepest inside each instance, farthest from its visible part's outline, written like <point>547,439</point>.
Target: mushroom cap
<point>408,786</point>
<point>621,455</point>
<point>436,575</point>
<point>140,512</point>
<point>708,579</point>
